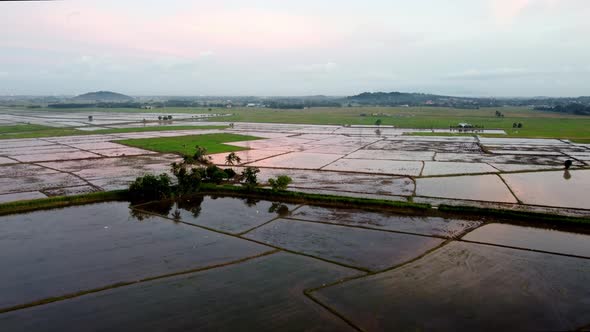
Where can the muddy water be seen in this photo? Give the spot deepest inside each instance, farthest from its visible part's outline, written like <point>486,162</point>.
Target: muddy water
<point>470,287</point>
<point>411,168</point>
<point>369,249</point>
<point>559,188</point>
<point>479,188</point>
<point>386,221</point>
<point>532,238</point>
<point>57,252</point>
<point>449,168</point>
<point>264,294</point>
<point>301,160</point>
<point>228,282</point>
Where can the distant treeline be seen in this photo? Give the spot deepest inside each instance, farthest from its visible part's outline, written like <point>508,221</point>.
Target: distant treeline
<point>170,103</point>
<point>302,105</point>
<point>577,109</point>
<point>96,105</point>
<point>420,99</point>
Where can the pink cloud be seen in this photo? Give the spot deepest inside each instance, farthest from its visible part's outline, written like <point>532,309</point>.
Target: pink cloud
<point>507,10</point>
<point>187,34</point>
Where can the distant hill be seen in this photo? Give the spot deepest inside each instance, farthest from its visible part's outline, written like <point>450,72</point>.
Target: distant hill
<point>419,99</point>
<point>103,97</point>
<point>564,104</point>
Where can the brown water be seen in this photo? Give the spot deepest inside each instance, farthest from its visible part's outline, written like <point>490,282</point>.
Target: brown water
<point>532,238</point>
<point>204,273</point>
<point>559,188</point>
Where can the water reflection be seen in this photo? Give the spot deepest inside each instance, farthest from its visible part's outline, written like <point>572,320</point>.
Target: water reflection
<point>161,208</point>
<point>217,212</point>
<point>281,209</point>
<point>192,205</point>
<point>567,175</point>
<point>251,202</point>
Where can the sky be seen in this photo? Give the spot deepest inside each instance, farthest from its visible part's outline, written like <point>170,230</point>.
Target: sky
<point>294,48</point>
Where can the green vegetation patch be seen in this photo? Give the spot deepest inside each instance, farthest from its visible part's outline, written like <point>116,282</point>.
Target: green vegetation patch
<point>62,201</point>
<point>511,214</point>
<point>438,134</point>
<point>155,128</point>
<point>536,124</point>
<point>314,199</point>
<point>37,131</point>
<point>185,145</point>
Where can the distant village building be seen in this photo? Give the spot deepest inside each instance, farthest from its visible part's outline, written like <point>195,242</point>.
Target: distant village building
<point>251,105</point>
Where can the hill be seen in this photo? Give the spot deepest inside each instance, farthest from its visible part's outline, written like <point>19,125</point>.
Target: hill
<point>103,96</point>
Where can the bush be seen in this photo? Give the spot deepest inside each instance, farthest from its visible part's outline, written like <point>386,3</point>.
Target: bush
<point>229,173</point>
<point>189,181</point>
<point>281,182</point>
<point>150,187</point>
<point>250,177</point>
<point>215,174</point>
<point>200,154</point>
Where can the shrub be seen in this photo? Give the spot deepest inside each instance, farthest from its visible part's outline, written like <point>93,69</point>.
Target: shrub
<point>189,180</point>
<point>229,173</point>
<point>281,182</point>
<point>150,187</point>
<point>215,174</point>
<point>250,177</point>
<point>200,154</point>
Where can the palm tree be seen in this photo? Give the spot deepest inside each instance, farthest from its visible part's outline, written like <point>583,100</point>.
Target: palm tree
<point>232,159</point>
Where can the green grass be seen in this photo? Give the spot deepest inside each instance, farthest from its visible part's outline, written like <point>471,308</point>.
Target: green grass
<point>37,131</point>
<point>438,134</point>
<point>15,129</point>
<point>62,201</point>
<point>533,217</point>
<point>155,128</point>
<point>315,199</point>
<point>537,124</point>
<point>214,143</point>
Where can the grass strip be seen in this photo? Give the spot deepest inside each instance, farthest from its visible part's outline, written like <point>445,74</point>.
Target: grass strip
<point>61,201</point>
<point>307,198</point>
<point>301,198</point>
<point>154,128</point>
<point>534,217</point>
<point>37,131</point>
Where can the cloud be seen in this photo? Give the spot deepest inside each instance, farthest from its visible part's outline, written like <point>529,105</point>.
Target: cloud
<point>491,74</point>
<point>512,73</point>
<point>315,68</point>
<point>206,54</point>
<point>505,11</point>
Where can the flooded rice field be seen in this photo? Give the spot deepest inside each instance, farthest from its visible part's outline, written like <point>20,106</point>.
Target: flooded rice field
<point>336,160</point>
<point>226,264</point>
<point>477,187</point>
